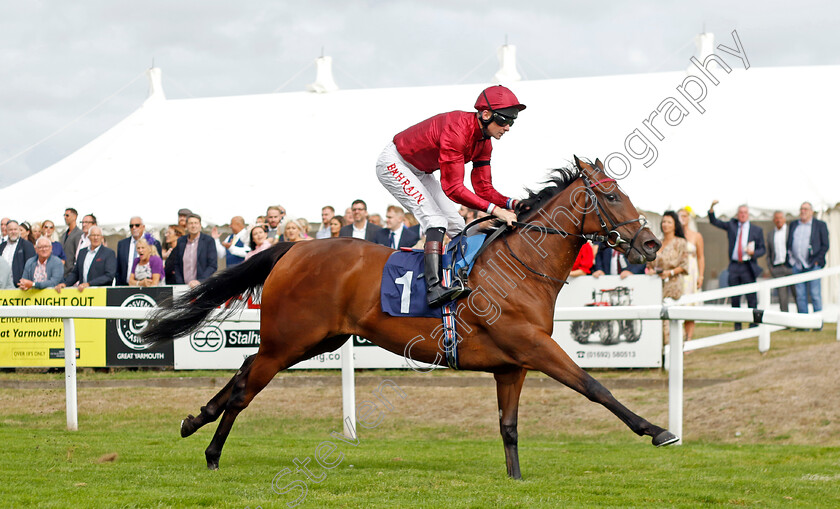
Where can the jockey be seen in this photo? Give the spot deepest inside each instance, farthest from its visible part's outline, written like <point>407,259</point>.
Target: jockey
<point>446,142</point>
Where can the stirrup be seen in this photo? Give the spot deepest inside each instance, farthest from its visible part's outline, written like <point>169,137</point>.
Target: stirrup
<point>438,295</point>
<point>461,286</point>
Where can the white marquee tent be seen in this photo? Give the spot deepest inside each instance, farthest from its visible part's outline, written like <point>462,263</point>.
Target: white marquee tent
<point>764,139</point>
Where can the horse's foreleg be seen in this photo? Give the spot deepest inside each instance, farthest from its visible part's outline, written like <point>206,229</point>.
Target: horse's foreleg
<point>217,404</point>
<point>554,362</point>
<point>508,389</point>
<point>245,388</point>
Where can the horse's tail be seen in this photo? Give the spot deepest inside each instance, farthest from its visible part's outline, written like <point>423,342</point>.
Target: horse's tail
<point>186,314</point>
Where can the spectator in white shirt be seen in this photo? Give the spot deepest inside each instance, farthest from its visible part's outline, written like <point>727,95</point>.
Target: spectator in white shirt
<point>235,246</point>
<point>327,213</point>
<point>777,256</point>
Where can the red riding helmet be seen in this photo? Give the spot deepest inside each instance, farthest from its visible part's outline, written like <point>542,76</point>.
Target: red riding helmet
<point>497,98</point>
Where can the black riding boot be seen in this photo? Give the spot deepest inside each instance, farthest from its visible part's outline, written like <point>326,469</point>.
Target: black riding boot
<point>437,295</point>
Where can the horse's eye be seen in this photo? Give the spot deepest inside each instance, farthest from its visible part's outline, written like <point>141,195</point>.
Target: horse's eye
<point>611,197</point>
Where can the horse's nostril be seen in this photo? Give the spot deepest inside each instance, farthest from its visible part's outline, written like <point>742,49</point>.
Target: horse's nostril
<point>651,245</point>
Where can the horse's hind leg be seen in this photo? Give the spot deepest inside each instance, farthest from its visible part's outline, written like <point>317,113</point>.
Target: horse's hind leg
<point>508,389</point>
<point>217,404</point>
<point>553,361</point>
<point>265,365</point>
<point>243,391</point>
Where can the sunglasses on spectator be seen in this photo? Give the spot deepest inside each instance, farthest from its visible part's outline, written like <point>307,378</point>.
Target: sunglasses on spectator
<point>138,225</point>
<point>283,212</point>
<point>45,227</point>
<point>501,119</point>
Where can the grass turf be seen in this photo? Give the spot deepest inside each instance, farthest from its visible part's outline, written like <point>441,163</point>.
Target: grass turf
<point>400,463</point>
<point>43,466</point>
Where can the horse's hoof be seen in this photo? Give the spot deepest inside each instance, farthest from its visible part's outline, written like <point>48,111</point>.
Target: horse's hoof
<point>665,438</point>
<point>212,461</point>
<point>212,465</point>
<point>187,427</point>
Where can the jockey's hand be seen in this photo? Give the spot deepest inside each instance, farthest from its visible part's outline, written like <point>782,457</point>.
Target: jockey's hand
<point>505,215</point>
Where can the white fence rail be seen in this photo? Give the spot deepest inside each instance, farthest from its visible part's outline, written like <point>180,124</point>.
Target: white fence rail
<point>674,313</point>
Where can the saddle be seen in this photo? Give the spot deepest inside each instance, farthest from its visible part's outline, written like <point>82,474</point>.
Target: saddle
<point>403,287</point>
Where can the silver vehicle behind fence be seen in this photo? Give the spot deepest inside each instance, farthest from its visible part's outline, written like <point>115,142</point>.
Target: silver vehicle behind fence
<point>608,332</point>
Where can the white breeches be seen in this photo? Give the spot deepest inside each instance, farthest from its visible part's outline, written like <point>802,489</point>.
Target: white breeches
<point>419,192</point>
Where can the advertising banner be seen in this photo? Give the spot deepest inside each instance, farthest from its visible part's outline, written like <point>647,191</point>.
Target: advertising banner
<point>39,342</point>
<point>611,343</point>
<point>225,345</point>
<point>123,345</point>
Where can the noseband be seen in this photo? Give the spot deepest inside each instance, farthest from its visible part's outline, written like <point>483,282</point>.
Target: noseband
<point>609,234</point>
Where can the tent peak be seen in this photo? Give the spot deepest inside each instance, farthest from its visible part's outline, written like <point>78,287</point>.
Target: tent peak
<point>507,65</point>
<point>705,44</point>
<point>324,81</point>
<point>155,85</point>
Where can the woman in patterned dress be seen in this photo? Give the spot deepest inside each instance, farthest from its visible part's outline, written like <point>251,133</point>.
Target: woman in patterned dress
<point>671,262</point>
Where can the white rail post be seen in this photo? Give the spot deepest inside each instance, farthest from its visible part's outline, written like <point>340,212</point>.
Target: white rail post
<point>70,374</point>
<point>675,380</point>
<point>348,388</point>
<point>763,330</point>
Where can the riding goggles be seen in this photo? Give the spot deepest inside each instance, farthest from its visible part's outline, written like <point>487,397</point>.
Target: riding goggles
<point>501,120</point>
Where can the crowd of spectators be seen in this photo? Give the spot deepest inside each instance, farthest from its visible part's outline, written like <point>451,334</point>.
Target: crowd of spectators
<point>36,255</point>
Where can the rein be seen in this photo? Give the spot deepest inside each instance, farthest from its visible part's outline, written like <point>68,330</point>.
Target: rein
<point>608,235</point>
<point>562,281</point>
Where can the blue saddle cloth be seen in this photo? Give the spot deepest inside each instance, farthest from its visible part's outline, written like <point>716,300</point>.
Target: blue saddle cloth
<point>403,287</point>
<point>464,250</point>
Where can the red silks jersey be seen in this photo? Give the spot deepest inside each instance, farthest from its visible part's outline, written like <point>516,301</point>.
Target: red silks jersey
<point>447,141</point>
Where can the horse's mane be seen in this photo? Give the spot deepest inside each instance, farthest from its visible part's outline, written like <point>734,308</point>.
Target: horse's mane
<point>558,180</point>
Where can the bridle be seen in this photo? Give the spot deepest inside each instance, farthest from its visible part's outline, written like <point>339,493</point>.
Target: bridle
<point>608,234</point>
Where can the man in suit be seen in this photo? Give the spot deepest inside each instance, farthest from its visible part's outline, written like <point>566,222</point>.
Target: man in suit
<point>16,250</point>
<point>746,246</point>
<point>610,262</point>
<point>396,235</point>
<point>360,228</point>
<point>127,252</point>
<point>807,245</point>
<point>44,270</point>
<point>70,240</point>
<point>777,255</point>
<point>195,255</point>
<point>96,265</point>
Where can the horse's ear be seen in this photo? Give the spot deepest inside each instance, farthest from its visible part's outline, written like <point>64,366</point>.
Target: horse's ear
<point>577,163</point>
<point>599,164</point>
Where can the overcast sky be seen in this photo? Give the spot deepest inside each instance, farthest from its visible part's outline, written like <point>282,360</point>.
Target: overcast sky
<point>65,60</point>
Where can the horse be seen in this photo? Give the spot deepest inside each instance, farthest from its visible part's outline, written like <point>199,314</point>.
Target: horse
<point>505,325</point>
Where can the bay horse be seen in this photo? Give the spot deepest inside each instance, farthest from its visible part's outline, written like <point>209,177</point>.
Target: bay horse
<point>312,305</point>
